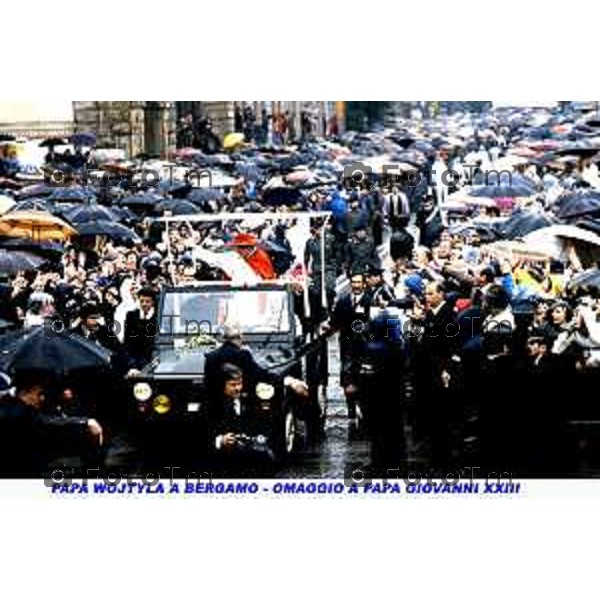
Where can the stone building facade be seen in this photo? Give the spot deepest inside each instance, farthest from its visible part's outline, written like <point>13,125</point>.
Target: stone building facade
<point>151,127</point>
<point>138,127</point>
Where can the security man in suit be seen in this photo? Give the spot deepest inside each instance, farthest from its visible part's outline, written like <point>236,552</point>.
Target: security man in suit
<point>141,327</point>
<point>232,352</point>
<point>30,436</point>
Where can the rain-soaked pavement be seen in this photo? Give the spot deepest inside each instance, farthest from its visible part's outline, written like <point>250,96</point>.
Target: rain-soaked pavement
<point>340,445</point>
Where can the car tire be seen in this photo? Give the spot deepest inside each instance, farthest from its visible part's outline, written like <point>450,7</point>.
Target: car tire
<point>290,432</point>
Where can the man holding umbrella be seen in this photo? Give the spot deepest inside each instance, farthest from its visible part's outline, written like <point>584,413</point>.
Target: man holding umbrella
<point>30,437</point>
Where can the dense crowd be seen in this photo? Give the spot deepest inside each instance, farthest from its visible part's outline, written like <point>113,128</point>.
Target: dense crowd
<point>428,303</point>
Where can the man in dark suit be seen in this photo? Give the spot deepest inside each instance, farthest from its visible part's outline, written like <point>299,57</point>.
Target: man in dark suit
<point>31,438</point>
<point>230,414</point>
<point>232,352</point>
<point>432,352</point>
<point>350,318</point>
<point>141,327</point>
<point>234,426</point>
<point>91,328</point>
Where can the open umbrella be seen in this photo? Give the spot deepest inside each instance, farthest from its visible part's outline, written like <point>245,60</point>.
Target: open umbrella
<point>54,141</point>
<point>279,196</point>
<point>12,262</point>
<point>33,204</point>
<point>114,231</point>
<point>178,207</point>
<point>233,140</point>
<point>67,194</point>
<point>578,204</point>
<point>83,139</point>
<point>42,349</point>
<point>141,200</point>
<point>37,189</point>
<point>589,280</point>
<point>516,190</point>
<point>90,212</point>
<point>37,225</point>
<point>590,224</point>
<point>177,189</point>
<point>202,195</point>
<point>50,249</point>
<point>6,203</point>
<point>10,184</point>
<point>524,222</point>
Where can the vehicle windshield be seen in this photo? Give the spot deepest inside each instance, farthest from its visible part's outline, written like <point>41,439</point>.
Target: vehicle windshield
<point>253,311</point>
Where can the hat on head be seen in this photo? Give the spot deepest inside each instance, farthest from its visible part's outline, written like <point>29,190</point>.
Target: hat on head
<point>414,284</point>
<point>244,239</point>
<point>374,269</point>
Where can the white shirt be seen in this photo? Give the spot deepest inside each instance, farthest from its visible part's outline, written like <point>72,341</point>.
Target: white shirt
<point>237,408</point>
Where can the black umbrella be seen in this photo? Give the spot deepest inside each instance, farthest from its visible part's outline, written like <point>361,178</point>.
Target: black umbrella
<point>178,189</point>
<point>114,231</point>
<point>37,189</point>
<point>590,225</point>
<point>55,141</point>
<point>580,148</point>
<point>68,194</point>
<point>11,262</point>
<point>33,204</point>
<point>90,212</point>
<point>42,349</point>
<point>50,249</point>
<point>178,207</point>
<point>504,187</point>
<point>523,222</point>
<point>404,140</point>
<point>141,200</point>
<point>282,196</point>
<point>83,139</point>
<point>202,195</point>
<point>578,204</point>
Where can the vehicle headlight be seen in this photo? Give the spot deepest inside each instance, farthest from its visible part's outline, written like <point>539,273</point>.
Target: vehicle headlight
<point>142,391</point>
<point>161,404</point>
<point>265,391</point>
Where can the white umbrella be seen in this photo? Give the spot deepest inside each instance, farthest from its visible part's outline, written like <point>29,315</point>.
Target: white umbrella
<point>557,239</point>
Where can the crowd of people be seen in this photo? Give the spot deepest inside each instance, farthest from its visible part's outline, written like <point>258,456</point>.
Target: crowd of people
<point>434,321</point>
